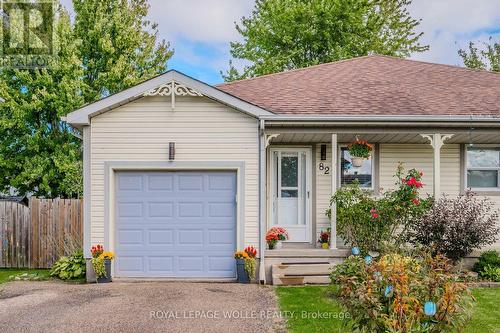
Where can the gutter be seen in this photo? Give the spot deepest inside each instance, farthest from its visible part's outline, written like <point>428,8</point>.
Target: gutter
<point>398,118</point>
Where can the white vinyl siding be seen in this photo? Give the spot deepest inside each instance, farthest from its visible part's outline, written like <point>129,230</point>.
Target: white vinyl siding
<point>202,129</point>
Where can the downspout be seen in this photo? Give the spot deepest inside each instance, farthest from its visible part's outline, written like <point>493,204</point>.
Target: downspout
<point>262,199</point>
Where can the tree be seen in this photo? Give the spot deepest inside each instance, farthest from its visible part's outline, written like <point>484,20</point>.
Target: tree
<point>119,46</point>
<point>110,47</point>
<point>38,153</point>
<point>486,58</point>
<point>287,34</point>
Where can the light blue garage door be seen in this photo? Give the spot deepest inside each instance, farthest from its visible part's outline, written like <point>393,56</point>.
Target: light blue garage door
<point>175,224</point>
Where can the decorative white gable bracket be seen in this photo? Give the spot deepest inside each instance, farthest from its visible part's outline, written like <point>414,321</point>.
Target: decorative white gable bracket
<point>437,141</point>
<point>269,137</point>
<point>172,89</point>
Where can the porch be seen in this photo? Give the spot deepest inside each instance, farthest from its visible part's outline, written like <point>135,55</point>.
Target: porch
<point>440,150</point>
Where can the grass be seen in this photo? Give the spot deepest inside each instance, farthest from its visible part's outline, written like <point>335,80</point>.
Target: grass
<point>304,301</point>
<point>5,273</point>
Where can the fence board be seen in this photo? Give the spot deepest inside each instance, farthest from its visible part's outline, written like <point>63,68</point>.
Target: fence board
<point>37,235</point>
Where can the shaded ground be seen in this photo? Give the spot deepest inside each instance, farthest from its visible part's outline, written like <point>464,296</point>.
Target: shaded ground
<point>137,307</point>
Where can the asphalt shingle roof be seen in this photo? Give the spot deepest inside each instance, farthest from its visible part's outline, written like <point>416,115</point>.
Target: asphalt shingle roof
<point>374,85</point>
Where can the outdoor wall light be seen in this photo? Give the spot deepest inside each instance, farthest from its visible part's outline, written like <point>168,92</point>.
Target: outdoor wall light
<point>323,152</point>
<point>171,151</point>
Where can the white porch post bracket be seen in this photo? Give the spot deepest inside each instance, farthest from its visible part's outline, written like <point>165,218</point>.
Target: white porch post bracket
<point>437,141</point>
<point>269,137</point>
<point>333,220</point>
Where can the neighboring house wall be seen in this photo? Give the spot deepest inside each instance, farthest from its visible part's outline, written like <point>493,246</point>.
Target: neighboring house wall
<point>418,156</point>
<point>202,129</point>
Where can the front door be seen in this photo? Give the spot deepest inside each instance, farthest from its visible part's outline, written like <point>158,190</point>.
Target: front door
<point>291,173</point>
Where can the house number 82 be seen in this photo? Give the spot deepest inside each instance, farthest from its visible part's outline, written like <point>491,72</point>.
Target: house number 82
<point>324,168</point>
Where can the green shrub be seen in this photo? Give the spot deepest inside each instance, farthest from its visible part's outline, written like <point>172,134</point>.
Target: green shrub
<point>72,267</point>
<point>376,224</point>
<point>491,273</point>
<point>397,293</point>
<point>487,258</point>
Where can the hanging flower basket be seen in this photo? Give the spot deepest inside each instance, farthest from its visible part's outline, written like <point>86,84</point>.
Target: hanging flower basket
<point>359,151</point>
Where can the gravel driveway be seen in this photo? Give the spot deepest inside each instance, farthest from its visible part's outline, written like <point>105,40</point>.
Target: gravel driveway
<point>137,307</point>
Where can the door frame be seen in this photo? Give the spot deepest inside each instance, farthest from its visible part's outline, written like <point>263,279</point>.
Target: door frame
<point>112,167</point>
<point>309,187</point>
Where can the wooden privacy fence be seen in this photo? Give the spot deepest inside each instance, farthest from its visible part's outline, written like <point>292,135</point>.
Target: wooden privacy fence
<point>36,236</point>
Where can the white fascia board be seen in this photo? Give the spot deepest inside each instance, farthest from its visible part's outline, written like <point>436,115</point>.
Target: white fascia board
<point>82,116</point>
<point>391,118</point>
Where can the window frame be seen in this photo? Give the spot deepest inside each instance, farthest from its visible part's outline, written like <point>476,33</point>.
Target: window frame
<point>466,169</point>
<point>339,167</point>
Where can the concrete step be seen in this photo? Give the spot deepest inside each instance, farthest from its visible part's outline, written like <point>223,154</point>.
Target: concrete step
<point>302,269</point>
<point>299,273</point>
<point>279,280</point>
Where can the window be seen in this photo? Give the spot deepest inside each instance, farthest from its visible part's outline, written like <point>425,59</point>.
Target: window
<point>349,173</point>
<point>483,167</point>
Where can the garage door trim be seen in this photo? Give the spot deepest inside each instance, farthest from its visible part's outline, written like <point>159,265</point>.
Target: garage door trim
<point>111,167</point>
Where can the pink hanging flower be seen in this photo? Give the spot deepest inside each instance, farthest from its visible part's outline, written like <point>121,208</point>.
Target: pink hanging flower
<point>374,213</point>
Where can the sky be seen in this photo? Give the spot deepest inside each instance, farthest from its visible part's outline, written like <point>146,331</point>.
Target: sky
<point>200,30</point>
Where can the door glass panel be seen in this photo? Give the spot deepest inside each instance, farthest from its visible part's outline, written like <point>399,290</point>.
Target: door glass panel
<point>289,193</point>
<point>289,170</point>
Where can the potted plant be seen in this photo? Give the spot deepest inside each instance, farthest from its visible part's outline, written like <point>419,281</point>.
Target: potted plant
<point>324,239</point>
<point>101,262</point>
<point>275,236</point>
<point>245,264</point>
<point>359,151</point>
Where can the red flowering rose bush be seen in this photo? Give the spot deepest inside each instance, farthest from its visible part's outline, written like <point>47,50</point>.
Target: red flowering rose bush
<point>378,223</point>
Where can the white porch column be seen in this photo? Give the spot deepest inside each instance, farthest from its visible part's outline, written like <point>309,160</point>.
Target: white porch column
<point>437,141</point>
<point>333,172</point>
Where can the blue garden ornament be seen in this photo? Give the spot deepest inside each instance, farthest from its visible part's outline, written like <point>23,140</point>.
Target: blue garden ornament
<point>368,260</point>
<point>355,251</point>
<point>388,291</point>
<point>430,308</point>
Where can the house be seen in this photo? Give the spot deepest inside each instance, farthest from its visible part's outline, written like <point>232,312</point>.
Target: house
<point>179,174</point>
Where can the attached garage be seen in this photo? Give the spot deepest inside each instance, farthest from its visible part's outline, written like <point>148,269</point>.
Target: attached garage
<point>175,224</point>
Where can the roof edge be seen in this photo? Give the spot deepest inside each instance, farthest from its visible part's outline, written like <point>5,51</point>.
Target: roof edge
<point>81,117</point>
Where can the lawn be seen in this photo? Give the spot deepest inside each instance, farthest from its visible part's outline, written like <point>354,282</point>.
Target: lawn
<point>307,303</point>
<point>6,272</point>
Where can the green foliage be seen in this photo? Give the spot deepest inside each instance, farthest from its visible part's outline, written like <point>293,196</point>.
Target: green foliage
<point>487,258</point>
<point>99,266</point>
<point>110,46</point>
<point>250,265</point>
<point>378,223</point>
<point>281,35</point>
<point>72,267</point>
<point>119,46</point>
<point>389,294</point>
<point>486,58</point>
<point>491,273</point>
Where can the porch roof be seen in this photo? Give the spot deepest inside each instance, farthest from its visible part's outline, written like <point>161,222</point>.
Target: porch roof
<point>473,136</point>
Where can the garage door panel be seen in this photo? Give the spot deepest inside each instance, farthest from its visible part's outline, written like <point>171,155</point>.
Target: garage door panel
<point>175,224</point>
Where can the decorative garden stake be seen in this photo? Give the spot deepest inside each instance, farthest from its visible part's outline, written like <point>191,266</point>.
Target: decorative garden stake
<point>388,291</point>
<point>368,260</point>
<point>430,308</point>
<point>355,251</point>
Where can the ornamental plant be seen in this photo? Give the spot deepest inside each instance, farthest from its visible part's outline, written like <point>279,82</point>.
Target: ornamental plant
<point>274,235</point>
<point>457,226</point>
<point>99,257</point>
<point>69,267</point>
<point>379,223</point>
<point>324,237</point>
<point>487,258</point>
<point>249,255</point>
<point>402,293</point>
<point>360,148</point>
